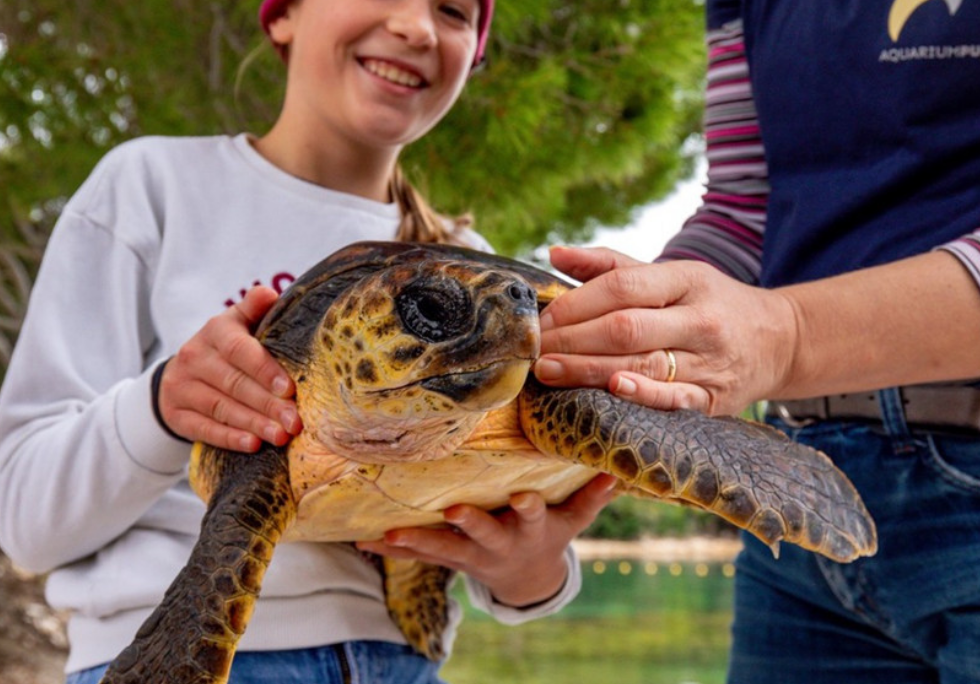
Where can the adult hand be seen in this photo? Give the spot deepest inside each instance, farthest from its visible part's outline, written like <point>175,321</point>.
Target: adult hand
<point>731,343</point>
<point>224,388</point>
<point>519,554</point>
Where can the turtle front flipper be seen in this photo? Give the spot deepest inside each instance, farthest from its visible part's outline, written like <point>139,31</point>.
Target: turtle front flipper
<point>417,596</point>
<point>748,473</point>
<point>192,635</point>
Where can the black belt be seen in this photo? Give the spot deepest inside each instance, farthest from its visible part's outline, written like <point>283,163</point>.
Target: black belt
<point>940,407</point>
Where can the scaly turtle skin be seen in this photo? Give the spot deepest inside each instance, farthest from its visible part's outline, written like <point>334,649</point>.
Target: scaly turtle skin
<point>411,366</point>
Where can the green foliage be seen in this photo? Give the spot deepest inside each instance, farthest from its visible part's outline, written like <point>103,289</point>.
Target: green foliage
<point>579,117</point>
<point>630,518</point>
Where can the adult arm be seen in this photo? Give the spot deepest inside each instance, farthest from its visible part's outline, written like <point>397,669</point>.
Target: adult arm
<point>726,231</point>
<point>833,335</point>
<point>911,321</point>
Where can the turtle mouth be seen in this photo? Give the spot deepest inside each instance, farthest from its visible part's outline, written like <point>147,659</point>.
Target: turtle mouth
<point>461,387</point>
<point>482,388</point>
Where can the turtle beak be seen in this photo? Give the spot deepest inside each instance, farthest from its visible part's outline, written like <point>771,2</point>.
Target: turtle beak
<point>484,389</point>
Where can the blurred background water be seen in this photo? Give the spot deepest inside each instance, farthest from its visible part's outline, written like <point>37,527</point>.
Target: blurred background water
<point>635,621</point>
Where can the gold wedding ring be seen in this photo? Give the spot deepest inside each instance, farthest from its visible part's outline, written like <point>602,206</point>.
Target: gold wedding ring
<point>671,365</point>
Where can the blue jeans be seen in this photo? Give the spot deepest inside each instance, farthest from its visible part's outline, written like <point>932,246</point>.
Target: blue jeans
<point>355,662</point>
<point>911,613</point>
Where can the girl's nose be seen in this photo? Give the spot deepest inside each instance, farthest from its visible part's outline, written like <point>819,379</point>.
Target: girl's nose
<point>413,21</point>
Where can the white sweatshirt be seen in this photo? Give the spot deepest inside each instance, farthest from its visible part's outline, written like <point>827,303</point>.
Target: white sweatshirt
<point>162,236</point>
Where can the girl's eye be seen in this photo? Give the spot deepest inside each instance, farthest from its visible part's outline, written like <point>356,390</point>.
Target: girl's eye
<point>458,11</point>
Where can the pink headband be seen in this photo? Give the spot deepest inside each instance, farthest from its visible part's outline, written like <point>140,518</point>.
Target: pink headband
<point>273,9</point>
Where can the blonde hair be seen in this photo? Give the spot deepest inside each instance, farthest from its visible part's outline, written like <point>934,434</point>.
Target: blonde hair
<point>420,222</point>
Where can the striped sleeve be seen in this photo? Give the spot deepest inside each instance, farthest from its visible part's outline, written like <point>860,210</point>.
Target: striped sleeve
<point>967,250</point>
<point>726,230</point>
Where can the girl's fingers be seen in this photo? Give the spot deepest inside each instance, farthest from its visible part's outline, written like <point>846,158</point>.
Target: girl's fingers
<point>216,434</point>
<point>531,510</point>
<point>213,407</point>
<point>581,508</point>
<point>231,335</point>
<point>224,388</point>
<point>482,528</point>
<point>242,401</point>
<point>444,547</point>
<point>476,540</point>
<point>207,385</point>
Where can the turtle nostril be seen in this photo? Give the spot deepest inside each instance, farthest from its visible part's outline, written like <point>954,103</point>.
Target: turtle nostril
<point>522,293</point>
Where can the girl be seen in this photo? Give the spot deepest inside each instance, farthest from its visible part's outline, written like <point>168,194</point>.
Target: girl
<point>165,233</point>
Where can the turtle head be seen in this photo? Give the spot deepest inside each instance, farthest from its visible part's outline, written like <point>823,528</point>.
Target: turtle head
<point>413,356</point>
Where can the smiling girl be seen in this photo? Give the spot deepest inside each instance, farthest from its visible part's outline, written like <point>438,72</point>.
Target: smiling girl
<point>128,352</point>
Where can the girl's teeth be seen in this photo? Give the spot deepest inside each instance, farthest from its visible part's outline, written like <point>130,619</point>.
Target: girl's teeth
<point>392,73</point>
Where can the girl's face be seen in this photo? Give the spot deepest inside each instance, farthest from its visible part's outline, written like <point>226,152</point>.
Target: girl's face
<point>378,73</point>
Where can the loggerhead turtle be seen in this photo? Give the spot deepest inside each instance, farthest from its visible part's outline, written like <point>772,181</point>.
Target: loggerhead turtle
<point>411,366</point>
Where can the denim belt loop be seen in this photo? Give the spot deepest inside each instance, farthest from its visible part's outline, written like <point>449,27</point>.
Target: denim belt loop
<point>892,408</point>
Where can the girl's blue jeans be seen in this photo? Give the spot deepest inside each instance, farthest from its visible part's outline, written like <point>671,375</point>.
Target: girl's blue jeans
<point>355,662</point>
<point>909,614</point>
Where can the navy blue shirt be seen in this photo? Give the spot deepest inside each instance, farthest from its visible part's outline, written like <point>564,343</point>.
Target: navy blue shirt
<point>871,127</point>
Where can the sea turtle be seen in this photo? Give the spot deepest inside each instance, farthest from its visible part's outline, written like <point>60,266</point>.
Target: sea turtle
<point>411,366</point>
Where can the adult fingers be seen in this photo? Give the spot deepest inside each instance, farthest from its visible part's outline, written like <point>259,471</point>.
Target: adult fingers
<point>587,364</point>
<point>623,331</point>
<point>584,264</point>
<point>662,396</point>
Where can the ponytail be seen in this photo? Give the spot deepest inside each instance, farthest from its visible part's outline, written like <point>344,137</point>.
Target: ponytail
<point>420,222</point>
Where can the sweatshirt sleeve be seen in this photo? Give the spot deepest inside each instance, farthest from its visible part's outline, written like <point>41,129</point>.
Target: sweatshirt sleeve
<point>726,231</point>
<point>81,455</point>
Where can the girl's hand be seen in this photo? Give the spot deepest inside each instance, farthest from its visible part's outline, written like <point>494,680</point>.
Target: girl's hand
<point>519,554</point>
<point>223,388</point>
<point>732,343</point>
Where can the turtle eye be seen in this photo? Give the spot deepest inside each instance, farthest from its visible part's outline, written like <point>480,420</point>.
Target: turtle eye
<point>435,311</point>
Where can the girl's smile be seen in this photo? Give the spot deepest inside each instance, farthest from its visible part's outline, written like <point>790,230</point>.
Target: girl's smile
<point>393,73</point>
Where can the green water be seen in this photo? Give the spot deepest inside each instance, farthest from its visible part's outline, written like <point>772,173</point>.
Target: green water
<point>633,623</point>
